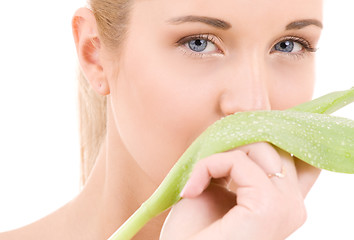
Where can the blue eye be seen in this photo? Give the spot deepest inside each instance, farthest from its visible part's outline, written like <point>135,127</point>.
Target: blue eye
<point>201,45</point>
<point>293,45</point>
<point>288,46</point>
<point>198,45</point>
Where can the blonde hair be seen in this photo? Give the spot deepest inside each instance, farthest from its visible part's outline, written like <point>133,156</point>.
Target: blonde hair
<point>112,20</point>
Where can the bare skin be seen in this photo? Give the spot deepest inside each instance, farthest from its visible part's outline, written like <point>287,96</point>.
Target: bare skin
<point>162,95</point>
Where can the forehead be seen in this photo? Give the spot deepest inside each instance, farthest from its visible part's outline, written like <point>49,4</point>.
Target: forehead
<point>262,12</point>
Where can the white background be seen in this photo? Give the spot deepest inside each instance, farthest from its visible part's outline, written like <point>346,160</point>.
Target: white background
<point>39,146</point>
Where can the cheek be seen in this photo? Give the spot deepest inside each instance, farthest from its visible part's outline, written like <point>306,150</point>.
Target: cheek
<point>292,84</point>
<point>156,112</point>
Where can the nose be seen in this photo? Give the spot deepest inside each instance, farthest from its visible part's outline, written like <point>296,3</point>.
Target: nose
<point>246,86</point>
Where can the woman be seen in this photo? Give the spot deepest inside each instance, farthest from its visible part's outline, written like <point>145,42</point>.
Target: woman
<point>166,70</point>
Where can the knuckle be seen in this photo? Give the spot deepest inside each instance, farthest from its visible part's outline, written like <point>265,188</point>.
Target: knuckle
<point>265,146</point>
<point>235,152</point>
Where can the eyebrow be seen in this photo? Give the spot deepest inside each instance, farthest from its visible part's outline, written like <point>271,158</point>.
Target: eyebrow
<point>303,23</point>
<point>214,22</point>
<point>218,23</point>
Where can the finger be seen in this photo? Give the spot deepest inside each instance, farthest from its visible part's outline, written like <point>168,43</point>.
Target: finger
<point>307,175</point>
<point>272,160</point>
<point>304,173</point>
<point>236,164</point>
<point>288,164</point>
<point>264,155</point>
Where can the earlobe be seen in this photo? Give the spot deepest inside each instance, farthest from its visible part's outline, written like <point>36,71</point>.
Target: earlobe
<point>88,49</point>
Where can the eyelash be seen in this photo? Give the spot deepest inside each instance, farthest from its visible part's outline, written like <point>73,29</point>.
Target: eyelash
<point>207,37</point>
<point>307,46</point>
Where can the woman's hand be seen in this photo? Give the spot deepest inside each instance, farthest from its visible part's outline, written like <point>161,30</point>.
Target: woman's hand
<point>259,207</point>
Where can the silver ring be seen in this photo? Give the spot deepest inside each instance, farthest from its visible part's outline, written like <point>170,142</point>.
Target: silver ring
<point>278,174</point>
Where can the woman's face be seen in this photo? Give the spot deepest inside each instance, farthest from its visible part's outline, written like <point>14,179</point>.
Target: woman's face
<point>187,63</point>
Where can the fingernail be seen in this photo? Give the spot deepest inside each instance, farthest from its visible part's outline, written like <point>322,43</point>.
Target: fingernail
<point>184,190</point>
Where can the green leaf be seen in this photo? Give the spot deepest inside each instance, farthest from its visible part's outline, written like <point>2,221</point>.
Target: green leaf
<point>306,131</point>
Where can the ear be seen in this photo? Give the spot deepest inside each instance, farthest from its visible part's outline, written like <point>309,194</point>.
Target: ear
<point>89,50</point>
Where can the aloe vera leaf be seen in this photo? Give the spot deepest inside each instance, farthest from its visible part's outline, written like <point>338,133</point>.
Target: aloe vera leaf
<point>321,140</point>
<point>328,103</point>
